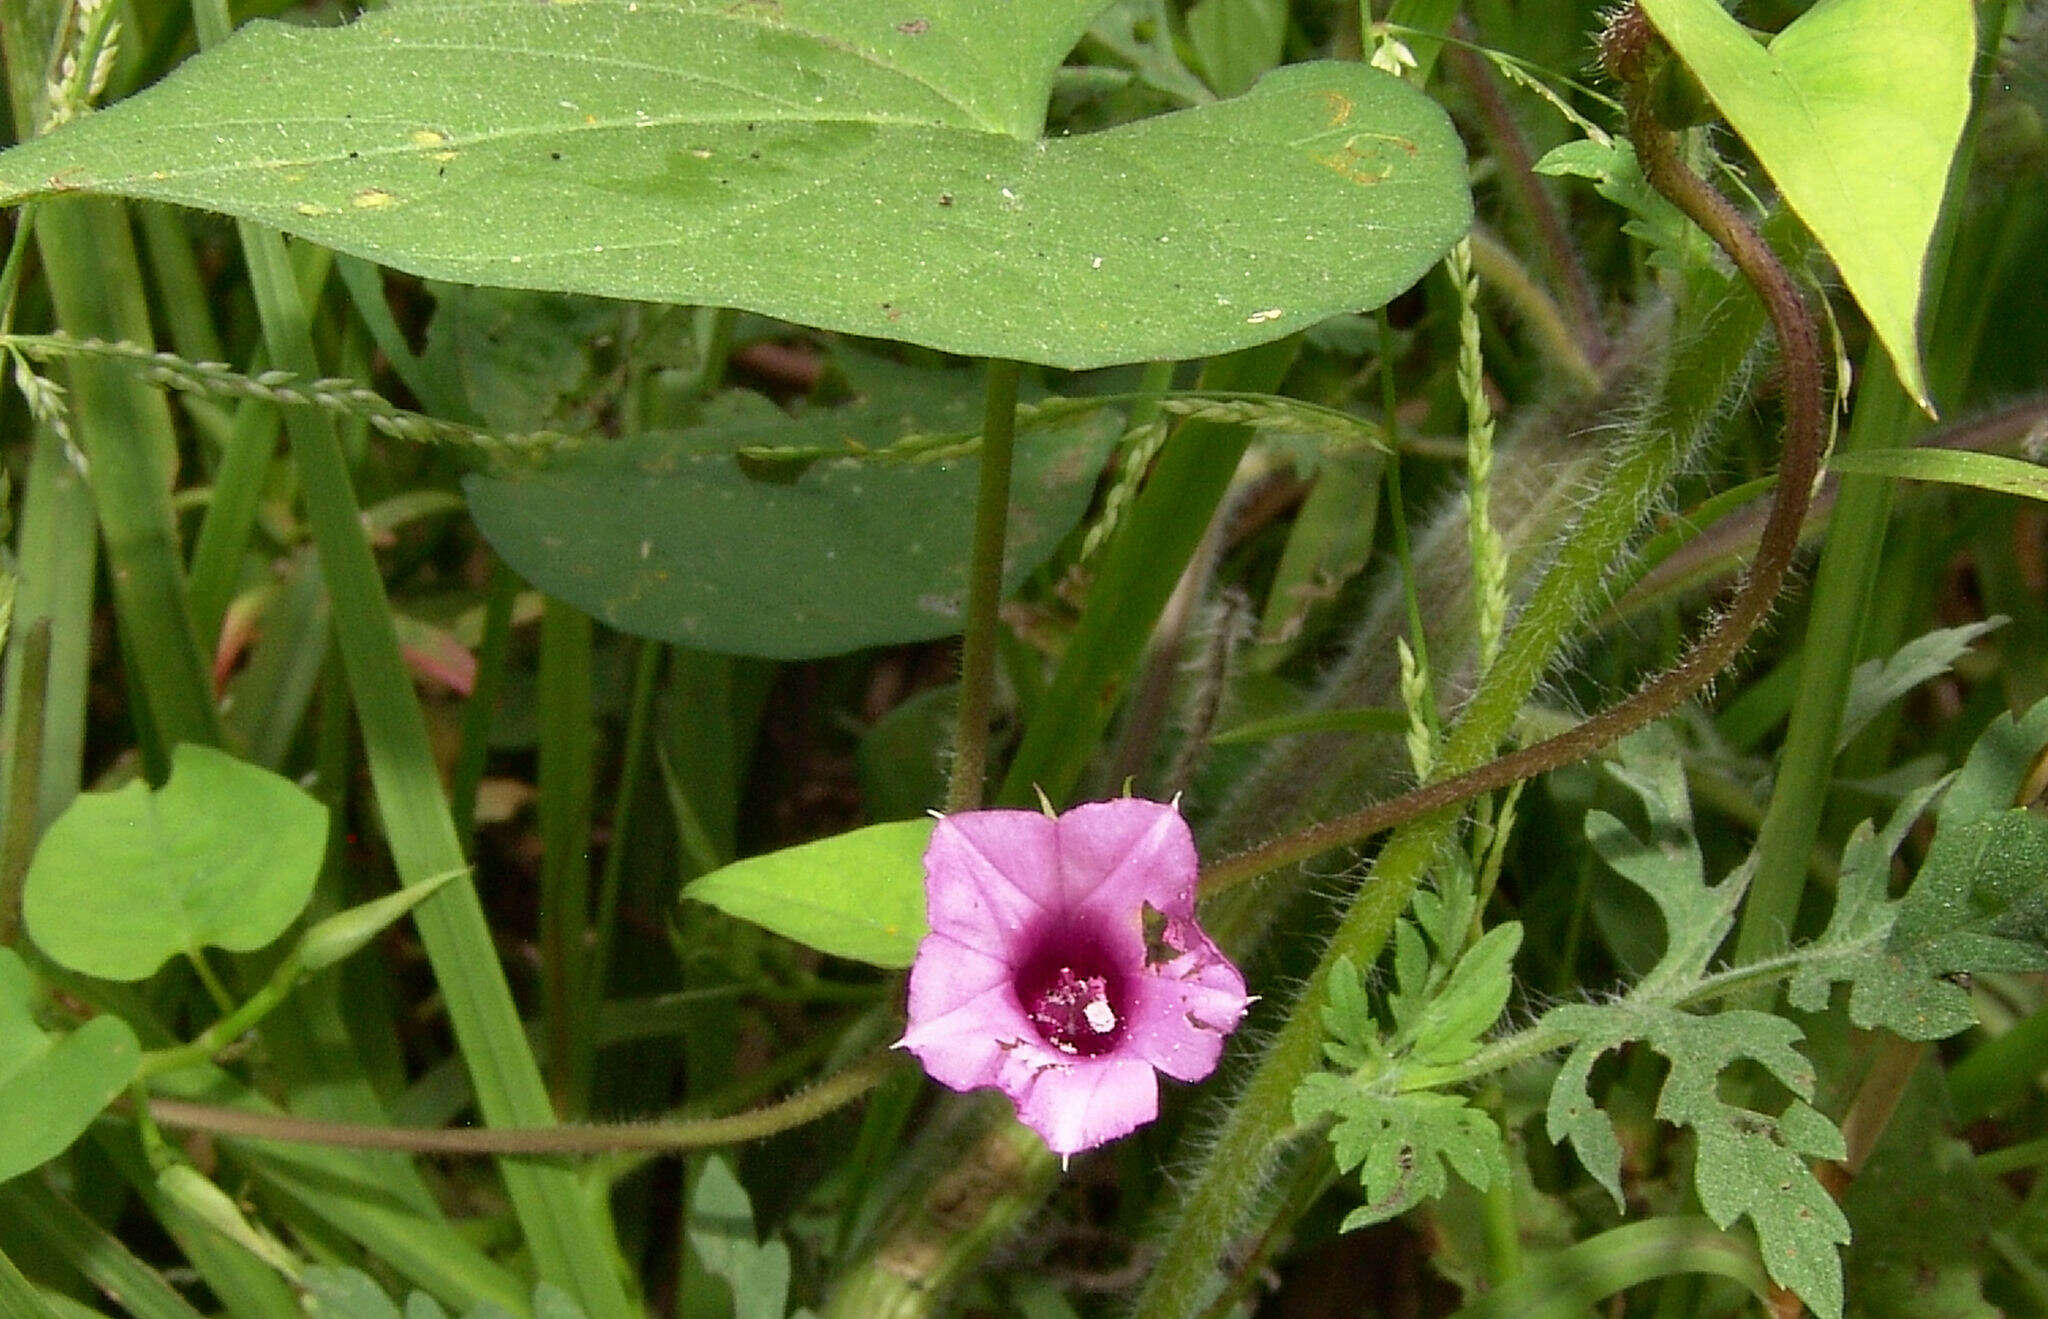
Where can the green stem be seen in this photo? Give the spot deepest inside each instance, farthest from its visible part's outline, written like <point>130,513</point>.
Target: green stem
<point>57,557</point>
<point>564,699</point>
<point>529,1142</point>
<point>611,880</point>
<point>19,1298</point>
<point>2012,1158</point>
<point>1517,169</point>
<point>1567,1284</point>
<point>231,513</point>
<point>1397,514</point>
<point>210,981</point>
<point>1539,312</point>
<point>1138,571</point>
<point>984,589</point>
<point>124,427</point>
<point>231,1027</point>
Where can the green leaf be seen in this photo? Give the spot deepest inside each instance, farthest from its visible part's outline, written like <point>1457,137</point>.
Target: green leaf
<point>1402,1144</point>
<point>1618,176</point>
<point>1981,471</point>
<point>517,355</point>
<point>223,854</point>
<point>1450,1027</point>
<point>1855,110</point>
<point>1920,1174</point>
<point>870,168</point>
<point>52,1089</point>
<point>1896,988</point>
<point>337,1292</point>
<point>721,1231</point>
<point>665,536</point>
<point>1876,683</point>
<point>1749,1162</point>
<point>1666,865</point>
<point>1976,905</point>
<point>857,894</point>
<point>1402,1141</point>
<point>343,1293</point>
<point>1235,41</point>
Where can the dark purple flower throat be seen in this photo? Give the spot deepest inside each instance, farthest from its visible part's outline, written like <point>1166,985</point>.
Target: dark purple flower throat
<point>1073,995</point>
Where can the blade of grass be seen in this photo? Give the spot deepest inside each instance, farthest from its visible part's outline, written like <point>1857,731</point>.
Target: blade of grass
<point>562,1229</point>
<point>611,881</point>
<point>566,735</point>
<point>124,428</point>
<point>19,1298</point>
<point>57,557</point>
<point>97,1254</point>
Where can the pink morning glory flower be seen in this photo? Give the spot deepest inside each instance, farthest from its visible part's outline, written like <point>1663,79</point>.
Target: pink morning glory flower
<point>1065,968</point>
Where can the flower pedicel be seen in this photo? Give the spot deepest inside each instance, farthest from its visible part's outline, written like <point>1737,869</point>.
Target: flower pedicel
<point>1065,968</point>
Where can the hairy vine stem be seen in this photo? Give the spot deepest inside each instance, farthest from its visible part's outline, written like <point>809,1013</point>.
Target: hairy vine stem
<point>1624,52</point>
<point>834,1092</point>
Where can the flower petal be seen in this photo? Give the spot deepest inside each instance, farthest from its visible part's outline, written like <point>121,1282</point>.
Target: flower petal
<point>990,876</point>
<point>964,1016</point>
<point>1181,1010</point>
<point>1088,1102</point>
<point>1121,855</point>
<point>947,973</point>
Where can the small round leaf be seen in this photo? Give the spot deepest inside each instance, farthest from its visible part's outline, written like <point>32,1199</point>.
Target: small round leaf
<point>223,854</point>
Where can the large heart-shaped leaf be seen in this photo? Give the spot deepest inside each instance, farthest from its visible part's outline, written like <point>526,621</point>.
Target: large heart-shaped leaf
<point>664,535</point>
<point>857,894</point>
<point>873,166</point>
<point>1855,109</point>
<point>50,1089</point>
<point>223,854</point>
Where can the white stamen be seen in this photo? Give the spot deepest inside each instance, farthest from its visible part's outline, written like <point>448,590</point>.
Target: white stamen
<point>1101,1016</point>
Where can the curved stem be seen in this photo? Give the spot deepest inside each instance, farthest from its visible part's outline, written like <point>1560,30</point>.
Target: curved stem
<point>686,1134</point>
<point>984,589</point>
<point>1805,435</point>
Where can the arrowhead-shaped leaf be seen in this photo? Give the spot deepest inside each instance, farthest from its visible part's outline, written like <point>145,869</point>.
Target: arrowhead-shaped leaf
<point>862,166</point>
<point>1855,110</point>
<point>857,894</point>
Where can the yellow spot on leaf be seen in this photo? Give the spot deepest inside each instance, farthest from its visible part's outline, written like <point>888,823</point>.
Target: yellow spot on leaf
<point>369,199</point>
<point>1339,106</point>
<point>311,208</point>
<point>428,137</point>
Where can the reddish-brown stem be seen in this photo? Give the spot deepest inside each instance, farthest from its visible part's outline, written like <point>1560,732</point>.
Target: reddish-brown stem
<point>1805,436</point>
